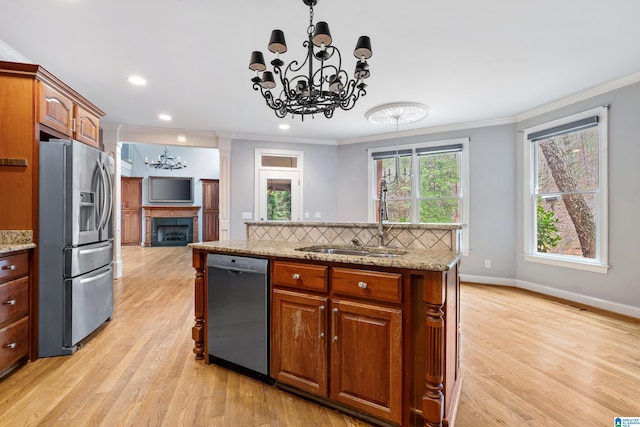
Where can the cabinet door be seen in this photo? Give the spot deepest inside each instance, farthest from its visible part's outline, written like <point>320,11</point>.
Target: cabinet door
<point>87,127</point>
<point>210,211</point>
<point>131,227</point>
<point>298,340</point>
<point>366,358</point>
<point>56,111</point>
<point>131,189</point>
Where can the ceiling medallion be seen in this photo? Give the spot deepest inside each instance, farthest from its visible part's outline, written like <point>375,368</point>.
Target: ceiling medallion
<point>397,113</point>
<point>318,85</point>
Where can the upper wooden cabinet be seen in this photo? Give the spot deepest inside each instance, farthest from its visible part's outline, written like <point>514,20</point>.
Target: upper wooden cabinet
<point>35,105</point>
<point>62,114</point>
<point>210,210</point>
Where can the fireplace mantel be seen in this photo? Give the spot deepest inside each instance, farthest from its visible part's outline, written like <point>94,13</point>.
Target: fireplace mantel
<point>169,212</point>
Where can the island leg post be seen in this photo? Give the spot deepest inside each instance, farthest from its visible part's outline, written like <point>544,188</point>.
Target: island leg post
<point>197,332</point>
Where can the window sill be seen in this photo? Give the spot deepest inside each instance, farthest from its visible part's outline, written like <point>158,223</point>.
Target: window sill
<point>563,262</point>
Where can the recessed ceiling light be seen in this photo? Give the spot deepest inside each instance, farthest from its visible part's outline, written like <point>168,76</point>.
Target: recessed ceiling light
<point>182,138</point>
<point>164,117</point>
<point>137,80</point>
<point>284,126</point>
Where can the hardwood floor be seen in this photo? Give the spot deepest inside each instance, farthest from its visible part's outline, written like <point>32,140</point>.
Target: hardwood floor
<point>526,361</point>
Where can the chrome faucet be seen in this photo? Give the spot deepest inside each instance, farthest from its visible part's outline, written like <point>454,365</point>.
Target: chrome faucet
<point>382,211</point>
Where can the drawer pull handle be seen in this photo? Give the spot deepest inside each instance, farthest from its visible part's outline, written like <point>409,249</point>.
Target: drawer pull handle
<point>12,345</point>
<point>296,276</point>
<point>9,267</point>
<point>362,285</point>
<point>9,302</point>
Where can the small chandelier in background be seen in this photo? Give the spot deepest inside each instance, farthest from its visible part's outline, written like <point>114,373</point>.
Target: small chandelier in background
<point>397,113</point>
<point>167,161</point>
<point>318,88</point>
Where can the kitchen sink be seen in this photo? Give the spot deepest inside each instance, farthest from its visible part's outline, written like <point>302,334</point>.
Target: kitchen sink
<point>354,251</point>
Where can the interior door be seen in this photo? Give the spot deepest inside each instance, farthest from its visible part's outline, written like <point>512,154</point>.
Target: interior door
<point>279,195</point>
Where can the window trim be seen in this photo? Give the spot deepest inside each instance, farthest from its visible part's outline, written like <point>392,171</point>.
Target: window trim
<point>530,253</point>
<point>464,179</point>
<point>259,152</point>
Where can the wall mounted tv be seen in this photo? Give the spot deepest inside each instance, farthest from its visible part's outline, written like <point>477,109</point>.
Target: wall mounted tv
<point>170,189</point>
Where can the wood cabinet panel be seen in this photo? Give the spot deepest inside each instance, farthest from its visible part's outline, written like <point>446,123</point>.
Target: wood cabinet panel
<point>298,341</point>
<point>14,300</point>
<point>301,276</point>
<point>367,284</point>
<point>14,342</point>
<point>131,217</point>
<point>87,127</point>
<point>56,111</point>
<point>366,358</point>
<point>210,210</point>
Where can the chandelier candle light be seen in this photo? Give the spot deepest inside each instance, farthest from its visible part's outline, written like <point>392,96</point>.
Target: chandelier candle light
<point>166,161</point>
<point>318,85</point>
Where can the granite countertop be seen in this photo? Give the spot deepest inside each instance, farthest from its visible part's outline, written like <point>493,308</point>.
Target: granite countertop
<point>15,240</point>
<point>424,226</point>
<point>418,259</point>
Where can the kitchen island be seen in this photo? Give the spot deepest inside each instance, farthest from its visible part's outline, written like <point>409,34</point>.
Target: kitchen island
<point>374,336</point>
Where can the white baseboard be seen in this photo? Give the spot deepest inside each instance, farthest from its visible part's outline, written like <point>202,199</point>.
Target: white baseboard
<point>117,273</point>
<point>614,307</point>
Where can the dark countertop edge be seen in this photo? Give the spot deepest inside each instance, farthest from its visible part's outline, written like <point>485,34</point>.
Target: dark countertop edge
<point>7,248</point>
<point>449,258</point>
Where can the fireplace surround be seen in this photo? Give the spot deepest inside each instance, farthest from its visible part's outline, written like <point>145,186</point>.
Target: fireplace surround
<point>170,225</point>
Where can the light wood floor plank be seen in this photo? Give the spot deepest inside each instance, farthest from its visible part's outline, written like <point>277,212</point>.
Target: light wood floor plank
<point>527,360</point>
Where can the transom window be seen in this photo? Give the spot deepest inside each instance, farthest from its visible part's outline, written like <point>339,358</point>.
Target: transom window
<point>566,194</point>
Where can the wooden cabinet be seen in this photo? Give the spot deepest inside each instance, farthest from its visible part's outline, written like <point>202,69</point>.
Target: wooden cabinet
<point>62,114</point>
<point>210,210</point>
<point>34,105</point>
<point>299,353</point>
<point>348,350</point>
<point>14,309</point>
<point>131,210</point>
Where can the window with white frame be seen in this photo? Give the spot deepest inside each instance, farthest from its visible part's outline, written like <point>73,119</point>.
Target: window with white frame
<point>565,199</point>
<point>426,183</point>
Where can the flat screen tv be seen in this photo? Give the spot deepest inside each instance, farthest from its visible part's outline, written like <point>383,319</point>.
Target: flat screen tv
<point>170,189</point>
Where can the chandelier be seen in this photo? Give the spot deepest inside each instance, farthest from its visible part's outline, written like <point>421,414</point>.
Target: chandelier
<point>166,161</point>
<point>318,85</point>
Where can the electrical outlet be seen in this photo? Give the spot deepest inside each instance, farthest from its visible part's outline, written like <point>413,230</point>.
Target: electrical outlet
<point>246,215</point>
<point>487,263</point>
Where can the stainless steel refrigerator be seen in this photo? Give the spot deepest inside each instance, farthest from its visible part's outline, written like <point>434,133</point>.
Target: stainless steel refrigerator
<point>75,286</point>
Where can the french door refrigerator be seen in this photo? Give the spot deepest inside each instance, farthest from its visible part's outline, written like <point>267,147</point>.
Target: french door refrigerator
<point>75,287</point>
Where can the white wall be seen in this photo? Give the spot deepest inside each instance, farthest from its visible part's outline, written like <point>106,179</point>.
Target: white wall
<point>319,180</point>
<point>496,221</point>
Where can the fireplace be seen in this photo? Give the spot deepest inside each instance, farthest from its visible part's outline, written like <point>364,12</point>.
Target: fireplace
<point>171,231</point>
<point>170,225</point>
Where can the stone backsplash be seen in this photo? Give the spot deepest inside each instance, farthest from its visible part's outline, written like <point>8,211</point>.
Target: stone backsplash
<point>417,236</point>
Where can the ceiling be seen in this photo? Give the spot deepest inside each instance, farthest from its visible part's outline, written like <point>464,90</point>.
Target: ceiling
<point>468,60</point>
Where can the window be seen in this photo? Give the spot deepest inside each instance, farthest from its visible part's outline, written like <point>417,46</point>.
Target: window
<point>437,193</point>
<point>566,191</point>
<point>278,185</point>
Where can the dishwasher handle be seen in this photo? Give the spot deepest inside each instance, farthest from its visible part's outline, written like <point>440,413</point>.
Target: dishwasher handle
<point>233,269</point>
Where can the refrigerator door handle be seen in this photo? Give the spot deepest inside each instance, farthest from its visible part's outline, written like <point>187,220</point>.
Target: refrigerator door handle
<point>94,278</point>
<point>108,194</point>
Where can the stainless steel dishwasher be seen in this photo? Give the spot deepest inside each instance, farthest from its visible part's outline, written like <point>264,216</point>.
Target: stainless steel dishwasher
<point>238,315</point>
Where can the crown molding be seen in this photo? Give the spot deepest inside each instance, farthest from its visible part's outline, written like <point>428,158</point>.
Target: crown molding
<point>7,53</point>
<point>580,96</point>
<point>289,139</point>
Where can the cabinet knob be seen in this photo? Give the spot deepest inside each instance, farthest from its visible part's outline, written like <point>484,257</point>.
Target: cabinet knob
<point>9,302</point>
<point>12,345</point>
<point>9,267</point>
<point>296,276</point>
<point>362,285</point>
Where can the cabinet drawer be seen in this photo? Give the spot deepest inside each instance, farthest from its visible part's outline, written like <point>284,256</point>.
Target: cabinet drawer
<point>13,266</point>
<point>14,300</point>
<point>14,342</point>
<point>376,285</point>
<point>302,276</point>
